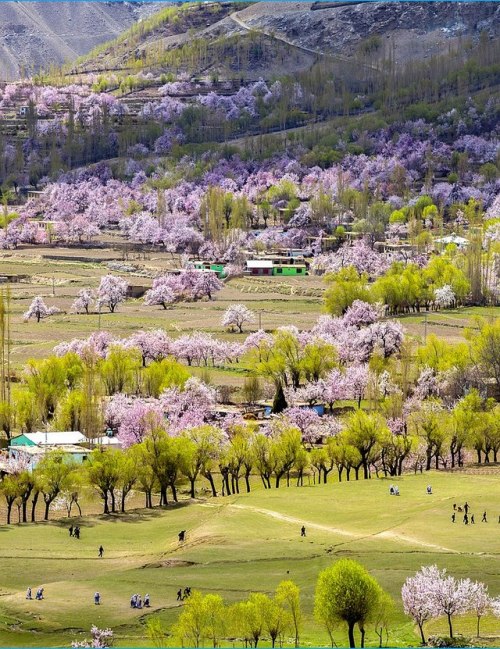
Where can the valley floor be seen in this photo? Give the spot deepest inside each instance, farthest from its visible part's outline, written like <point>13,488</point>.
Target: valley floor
<point>245,543</point>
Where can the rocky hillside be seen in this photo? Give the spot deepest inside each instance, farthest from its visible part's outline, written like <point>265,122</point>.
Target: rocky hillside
<point>376,29</point>
<point>36,34</point>
<point>367,33</point>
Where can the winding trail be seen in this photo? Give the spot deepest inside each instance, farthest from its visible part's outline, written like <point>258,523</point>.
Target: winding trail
<point>383,534</point>
<point>279,37</point>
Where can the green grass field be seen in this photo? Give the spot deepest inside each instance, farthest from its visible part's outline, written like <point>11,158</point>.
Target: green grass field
<point>239,544</point>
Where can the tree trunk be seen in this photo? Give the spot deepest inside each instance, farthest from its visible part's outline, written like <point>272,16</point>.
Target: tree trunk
<point>449,625</point>
<point>210,479</point>
<point>9,511</point>
<point>191,492</point>
<point>47,507</point>
<point>362,629</point>
<point>247,482</point>
<point>106,505</point>
<point>421,629</point>
<point>350,631</point>
<point>33,506</point>
<point>174,491</point>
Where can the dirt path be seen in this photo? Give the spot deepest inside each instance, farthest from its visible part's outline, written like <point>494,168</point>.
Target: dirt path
<point>235,18</point>
<point>387,534</point>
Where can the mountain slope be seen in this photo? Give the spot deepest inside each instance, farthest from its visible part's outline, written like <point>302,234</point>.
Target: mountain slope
<point>415,30</point>
<point>367,34</point>
<point>36,34</point>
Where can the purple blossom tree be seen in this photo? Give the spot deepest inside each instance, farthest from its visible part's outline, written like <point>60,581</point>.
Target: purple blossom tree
<point>39,310</point>
<point>100,639</point>
<point>416,595</point>
<point>237,315</point>
<point>479,601</point>
<point>139,420</point>
<point>162,293</point>
<point>444,297</point>
<point>112,290</point>
<point>84,301</point>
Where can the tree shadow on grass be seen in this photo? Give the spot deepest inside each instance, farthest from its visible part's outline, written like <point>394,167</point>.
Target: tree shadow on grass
<point>137,515</point>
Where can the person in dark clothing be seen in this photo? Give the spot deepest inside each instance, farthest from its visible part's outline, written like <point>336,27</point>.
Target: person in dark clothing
<point>466,508</point>
<point>71,531</point>
<point>472,522</point>
<point>147,600</point>
<point>101,551</point>
<point>179,595</point>
<point>76,533</point>
<point>466,519</point>
<point>454,507</point>
<point>483,520</point>
<point>182,536</point>
<point>453,517</point>
<point>302,531</point>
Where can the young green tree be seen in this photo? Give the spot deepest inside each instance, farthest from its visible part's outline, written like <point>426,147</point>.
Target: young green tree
<point>54,476</point>
<point>343,287</point>
<point>346,593</point>
<point>363,432</point>
<point>288,596</point>
<point>103,469</point>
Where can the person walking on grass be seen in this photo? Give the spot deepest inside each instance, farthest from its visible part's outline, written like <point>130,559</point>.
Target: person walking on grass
<point>466,519</point>
<point>453,517</point>
<point>466,507</point>
<point>28,593</point>
<point>472,521</point>
<point>302,531</point>
<point>101,551</point>
<point>97,598</point>
<point>483,520</point>
<point>71,531</point>
<point>179,595</point>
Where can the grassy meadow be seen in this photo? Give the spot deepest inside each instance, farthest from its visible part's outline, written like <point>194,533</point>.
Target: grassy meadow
<point>275,301</point>
<point>250,542</point>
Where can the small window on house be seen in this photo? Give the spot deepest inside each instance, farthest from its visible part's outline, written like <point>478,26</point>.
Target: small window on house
<point>279,270</point>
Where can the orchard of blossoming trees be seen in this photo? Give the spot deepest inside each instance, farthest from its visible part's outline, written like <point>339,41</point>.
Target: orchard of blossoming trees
<point>388,407</point>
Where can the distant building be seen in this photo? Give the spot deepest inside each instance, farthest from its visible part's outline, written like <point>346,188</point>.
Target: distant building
<point>276,265</point>
<point>49,439</point>
<point>215,266</point>
<point>459,242</point>
<point>35,445</point>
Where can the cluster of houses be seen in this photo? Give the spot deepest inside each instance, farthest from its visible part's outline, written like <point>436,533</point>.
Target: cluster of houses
<point>32,447</point>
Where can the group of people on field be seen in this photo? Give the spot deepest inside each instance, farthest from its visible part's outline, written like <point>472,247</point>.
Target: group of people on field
<point>468,518</point>
<point>39,593</point>
<point>136,601</point>
<point>183,595</point>
<point>74,532</point>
